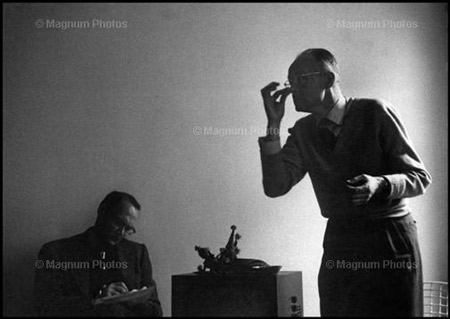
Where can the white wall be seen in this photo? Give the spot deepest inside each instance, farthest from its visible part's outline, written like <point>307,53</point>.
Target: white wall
<point>89,110</point>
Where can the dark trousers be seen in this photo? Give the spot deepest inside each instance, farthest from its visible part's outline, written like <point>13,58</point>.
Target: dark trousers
<point>371,268</point>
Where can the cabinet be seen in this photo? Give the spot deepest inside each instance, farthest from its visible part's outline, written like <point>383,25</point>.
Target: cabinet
<point>211,295</point>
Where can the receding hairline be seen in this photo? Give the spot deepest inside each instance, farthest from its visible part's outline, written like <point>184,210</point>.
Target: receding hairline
<point>308,63</point>
<point>320,58</point>
<point>117,199</point>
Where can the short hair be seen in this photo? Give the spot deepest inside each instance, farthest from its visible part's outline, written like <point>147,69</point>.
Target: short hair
<point>113,199</point>
<point>324,57</point>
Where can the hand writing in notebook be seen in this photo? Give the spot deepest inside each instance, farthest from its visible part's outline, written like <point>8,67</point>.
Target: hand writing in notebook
<point>113,289</point>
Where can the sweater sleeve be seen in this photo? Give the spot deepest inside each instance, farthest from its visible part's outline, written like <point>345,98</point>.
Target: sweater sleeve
<point>282,170</point>
<point>407,174</point>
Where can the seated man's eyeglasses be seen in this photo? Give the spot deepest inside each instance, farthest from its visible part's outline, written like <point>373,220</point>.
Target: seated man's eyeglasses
<point>120,225</point>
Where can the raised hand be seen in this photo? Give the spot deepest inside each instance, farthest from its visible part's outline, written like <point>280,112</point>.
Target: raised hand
<point>274,103</point>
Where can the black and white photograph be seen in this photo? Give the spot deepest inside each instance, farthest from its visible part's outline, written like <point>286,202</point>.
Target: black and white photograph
<point>207,159</point>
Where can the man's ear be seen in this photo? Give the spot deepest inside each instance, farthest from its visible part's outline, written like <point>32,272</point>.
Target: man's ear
<point>329,79</point>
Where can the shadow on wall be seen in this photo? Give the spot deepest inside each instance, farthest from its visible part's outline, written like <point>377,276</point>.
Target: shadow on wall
<point>18,276</point>
<point>18,285</point>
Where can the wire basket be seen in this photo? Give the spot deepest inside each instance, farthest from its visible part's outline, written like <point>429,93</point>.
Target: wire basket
<point>435,295</point>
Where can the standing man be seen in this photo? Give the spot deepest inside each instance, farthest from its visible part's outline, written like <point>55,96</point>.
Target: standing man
<point>362,167</point>
<point>75,273</point>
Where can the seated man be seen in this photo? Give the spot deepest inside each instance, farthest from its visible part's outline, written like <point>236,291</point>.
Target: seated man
<point>100,262</point>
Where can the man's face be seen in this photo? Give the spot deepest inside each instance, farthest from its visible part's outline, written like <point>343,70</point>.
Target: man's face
<point>307,84</point>
<point>119,223</point>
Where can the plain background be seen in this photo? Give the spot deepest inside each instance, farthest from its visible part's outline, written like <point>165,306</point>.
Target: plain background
<point>168,109</point>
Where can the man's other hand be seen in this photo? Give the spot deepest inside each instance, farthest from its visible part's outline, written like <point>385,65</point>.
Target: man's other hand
<point>363,187</point>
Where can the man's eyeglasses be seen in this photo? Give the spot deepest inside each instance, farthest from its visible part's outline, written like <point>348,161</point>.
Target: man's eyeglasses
<point>121,226</point>
<point>302,78</point>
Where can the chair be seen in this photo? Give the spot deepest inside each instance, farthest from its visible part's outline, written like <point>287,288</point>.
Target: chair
<point>435,295</point>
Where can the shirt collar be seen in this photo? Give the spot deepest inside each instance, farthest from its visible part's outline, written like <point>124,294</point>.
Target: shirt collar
<point>97,243</point>
<point>337,113</point>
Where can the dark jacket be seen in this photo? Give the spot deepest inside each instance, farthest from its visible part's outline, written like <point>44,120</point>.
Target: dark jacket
<point>62,278</point>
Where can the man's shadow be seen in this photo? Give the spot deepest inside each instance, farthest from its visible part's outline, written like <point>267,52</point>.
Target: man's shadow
<point>18,273</point>
<point>18,284</point>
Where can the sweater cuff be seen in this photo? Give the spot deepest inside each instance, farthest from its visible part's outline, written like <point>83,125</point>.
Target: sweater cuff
<point>269,147</point>
<point>395,185</point>
<point>385,187</point>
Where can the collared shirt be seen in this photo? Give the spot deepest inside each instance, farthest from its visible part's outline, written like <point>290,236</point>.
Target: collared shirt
<point>337,113</point>
<point>336,116</point>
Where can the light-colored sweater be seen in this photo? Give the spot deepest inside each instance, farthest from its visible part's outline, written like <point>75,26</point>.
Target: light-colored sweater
<point>372,141</point>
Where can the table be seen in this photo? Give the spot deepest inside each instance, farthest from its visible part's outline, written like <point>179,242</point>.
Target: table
<point>213,295</point>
